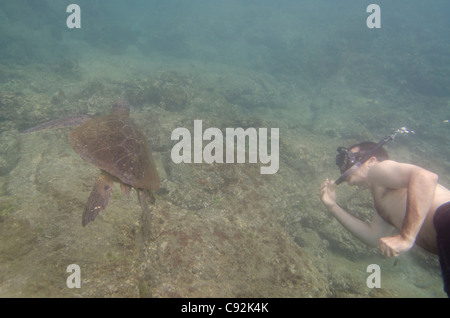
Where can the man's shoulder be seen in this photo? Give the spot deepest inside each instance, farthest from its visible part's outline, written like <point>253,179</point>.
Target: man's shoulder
<point>390,174</point>
<point>384,165</point>
<point>392,164</point>
<point>393,174</point>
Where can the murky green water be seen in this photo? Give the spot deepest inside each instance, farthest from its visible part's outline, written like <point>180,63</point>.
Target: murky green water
<point>312,69</point>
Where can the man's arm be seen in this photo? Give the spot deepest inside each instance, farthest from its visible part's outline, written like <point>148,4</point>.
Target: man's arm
<point>369,234</point>
<point>420,185</point>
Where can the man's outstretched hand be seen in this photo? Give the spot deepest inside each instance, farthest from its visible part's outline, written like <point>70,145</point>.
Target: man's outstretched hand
<point>327,193</point>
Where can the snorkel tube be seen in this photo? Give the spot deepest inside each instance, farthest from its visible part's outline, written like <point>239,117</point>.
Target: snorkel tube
<point>369,154</point>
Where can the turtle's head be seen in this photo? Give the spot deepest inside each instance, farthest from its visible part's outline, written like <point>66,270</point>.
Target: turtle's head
<point>121,108</point>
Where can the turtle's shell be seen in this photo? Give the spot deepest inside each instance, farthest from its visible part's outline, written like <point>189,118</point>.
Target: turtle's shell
<point>116,145</point>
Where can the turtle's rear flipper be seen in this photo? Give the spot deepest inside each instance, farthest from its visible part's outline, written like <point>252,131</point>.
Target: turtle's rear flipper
<point>99,198</point>
<point>146,197</point>
<point>126,188</point>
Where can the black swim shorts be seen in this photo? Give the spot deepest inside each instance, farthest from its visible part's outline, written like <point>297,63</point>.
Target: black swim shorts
<point>442,225</point>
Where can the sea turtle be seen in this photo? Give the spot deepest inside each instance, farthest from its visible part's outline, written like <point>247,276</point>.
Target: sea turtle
<point>118,147</point>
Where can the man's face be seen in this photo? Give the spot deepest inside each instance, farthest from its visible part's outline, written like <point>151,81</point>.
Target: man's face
<point>359,176</point>
<point>355,177</point>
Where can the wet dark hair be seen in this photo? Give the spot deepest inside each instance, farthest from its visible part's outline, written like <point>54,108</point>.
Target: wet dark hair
<point>365,146</point>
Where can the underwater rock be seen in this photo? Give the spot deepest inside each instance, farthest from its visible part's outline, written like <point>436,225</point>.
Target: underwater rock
<point>143,92</point>
<point>9,153</point>
<point>3,166</point>
<point>58,97</point>
<point>7,208</point>
<point>170,90</point>
<point>247,98</point>
<point>9,103</point>
<point>68,67</point>
<point>174,90</point>
<point>227,255</point>
<point>174,97</point>
<point>92,88</point>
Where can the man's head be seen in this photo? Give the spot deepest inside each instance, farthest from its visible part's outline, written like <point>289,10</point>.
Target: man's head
<point>365,147</point>
<point>349,160</point>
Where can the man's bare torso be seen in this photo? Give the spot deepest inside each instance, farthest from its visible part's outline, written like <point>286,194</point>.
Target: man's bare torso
<point>391,206</point>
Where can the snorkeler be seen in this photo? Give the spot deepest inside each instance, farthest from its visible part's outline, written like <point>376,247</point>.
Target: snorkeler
<point>406,197</point>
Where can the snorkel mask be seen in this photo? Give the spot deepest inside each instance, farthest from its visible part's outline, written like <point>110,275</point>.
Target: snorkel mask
<point>348,162</point>
<point>346,159</point>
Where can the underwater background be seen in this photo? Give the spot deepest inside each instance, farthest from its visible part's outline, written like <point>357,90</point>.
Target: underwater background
<point>313,69</point>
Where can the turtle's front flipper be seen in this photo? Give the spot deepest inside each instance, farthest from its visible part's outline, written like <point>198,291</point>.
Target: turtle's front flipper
<point>146,197</point>
<point>59,123</point>
<point>99,198</point>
